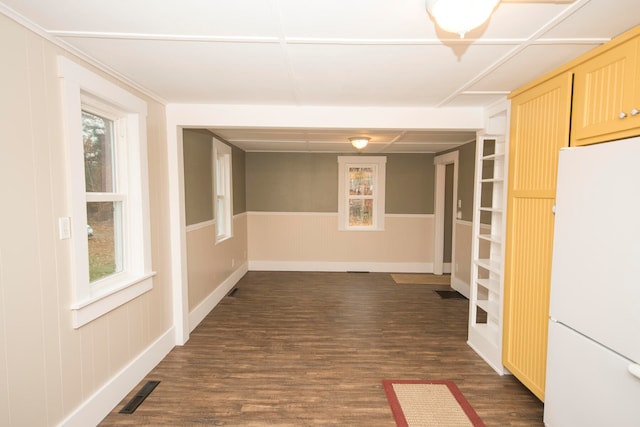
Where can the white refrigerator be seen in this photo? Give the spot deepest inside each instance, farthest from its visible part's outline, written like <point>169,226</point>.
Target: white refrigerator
<point>593,359</point>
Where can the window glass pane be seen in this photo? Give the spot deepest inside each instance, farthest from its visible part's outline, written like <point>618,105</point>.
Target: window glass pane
<point>220,176</point>
<point>104,231</point>
<point>221,216</point>
<point>360,212</point>
<point>361,181</point>
<point>97,139</point>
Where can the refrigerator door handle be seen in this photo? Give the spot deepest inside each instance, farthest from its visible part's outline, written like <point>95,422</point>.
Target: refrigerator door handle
<point>634,369</point>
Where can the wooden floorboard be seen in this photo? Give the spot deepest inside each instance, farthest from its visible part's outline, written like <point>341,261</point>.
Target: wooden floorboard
<point>311,349</point>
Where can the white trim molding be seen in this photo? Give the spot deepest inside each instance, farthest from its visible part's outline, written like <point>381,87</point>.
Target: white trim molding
<point>373,267</point>
<point>378,165</point>
<point>438,239</point>
<point>82,88</point>
<point>200,225</point>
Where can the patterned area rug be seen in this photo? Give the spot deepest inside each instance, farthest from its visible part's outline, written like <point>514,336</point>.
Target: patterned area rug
<point>421,279</point>
<point>429,404</point>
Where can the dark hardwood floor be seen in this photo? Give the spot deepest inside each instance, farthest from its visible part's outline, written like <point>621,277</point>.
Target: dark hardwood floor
<point>311,349</point>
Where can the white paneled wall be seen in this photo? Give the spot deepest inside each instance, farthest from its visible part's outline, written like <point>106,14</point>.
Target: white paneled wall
<point>48,369</point>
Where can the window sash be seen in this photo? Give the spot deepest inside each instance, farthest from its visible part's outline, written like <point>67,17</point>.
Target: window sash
<point>223,207</point>
<point>371,188</point>
<point>85,90</point>
<point>106,247</point>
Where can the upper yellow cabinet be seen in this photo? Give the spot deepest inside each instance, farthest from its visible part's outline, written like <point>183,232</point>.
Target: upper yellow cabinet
<point>606,98</point>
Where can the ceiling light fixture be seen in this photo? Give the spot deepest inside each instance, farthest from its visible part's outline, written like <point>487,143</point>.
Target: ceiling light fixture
<point>359,142</point>
<point>460,16</point>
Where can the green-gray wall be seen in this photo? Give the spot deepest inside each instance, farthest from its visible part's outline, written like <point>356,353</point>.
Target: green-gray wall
<point>466,176</point>
<point>238,180</point>
<point>410,184</point>
<point>448,212</point>
<point>198,183</point>
<point>292,182</point>
<point>308,182</point>
<point>198,179</point>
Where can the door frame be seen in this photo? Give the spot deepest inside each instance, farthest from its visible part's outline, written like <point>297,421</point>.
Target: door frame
<point>441,163</point>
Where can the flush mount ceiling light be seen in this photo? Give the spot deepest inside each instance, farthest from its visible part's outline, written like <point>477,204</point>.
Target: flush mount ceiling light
<point>460,16</point>
<point>359,142</point>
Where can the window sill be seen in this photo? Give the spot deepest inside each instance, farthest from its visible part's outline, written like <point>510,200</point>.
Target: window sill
<point>110,298</point>
<point>220,239</point>
<point>361,229</point>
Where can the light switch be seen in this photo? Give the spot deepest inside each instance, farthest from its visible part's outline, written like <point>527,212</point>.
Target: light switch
<point>64,227</point>
<point>459,204</point>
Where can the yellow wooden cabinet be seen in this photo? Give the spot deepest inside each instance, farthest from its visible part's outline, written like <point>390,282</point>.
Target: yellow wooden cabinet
<point>580,102</point>
<point>606,100</point>
<point>540,119</point>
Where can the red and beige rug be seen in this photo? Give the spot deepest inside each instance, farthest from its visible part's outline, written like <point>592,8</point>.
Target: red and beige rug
<point>429,404</point>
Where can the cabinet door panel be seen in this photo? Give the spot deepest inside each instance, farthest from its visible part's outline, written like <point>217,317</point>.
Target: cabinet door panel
<point>604,88</point>
<point>539,128</point>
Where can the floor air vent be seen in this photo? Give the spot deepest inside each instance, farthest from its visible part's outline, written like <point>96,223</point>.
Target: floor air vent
<point>140,396</point>
<point>450,295</point>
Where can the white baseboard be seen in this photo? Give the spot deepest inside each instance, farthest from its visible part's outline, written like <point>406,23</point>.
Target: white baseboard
<point>377,267</point>
<point>200,312</point>
<point>489,354</point>
<point>97,406</point>
<point>446,268</point>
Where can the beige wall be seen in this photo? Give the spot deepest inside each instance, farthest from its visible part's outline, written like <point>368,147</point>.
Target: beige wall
<point>308,241</point>
<point>47,368</point>
<point>210,264</point>
<point>461,272</point>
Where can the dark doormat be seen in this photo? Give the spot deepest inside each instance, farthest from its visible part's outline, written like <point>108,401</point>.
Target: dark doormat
<point>451,295</point>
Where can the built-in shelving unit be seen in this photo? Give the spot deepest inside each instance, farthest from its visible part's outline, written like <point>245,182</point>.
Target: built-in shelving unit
<point>486,293</point>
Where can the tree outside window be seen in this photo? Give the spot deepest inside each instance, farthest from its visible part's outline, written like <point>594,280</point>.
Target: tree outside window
<point>104,213</point>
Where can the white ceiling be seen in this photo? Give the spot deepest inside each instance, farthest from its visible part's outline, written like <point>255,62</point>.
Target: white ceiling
<point>364,53</point>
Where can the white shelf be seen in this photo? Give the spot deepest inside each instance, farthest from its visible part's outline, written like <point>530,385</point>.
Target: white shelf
<point>492,285</point>
<point>491,209</point>
<point>489,331</point>
<point>492,308</point>
<point>491,238</point>
<point>487,272</point>
<point>494,266</point>
<point>496,156</point>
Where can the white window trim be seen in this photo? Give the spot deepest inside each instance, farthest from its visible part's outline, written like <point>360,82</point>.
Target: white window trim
<point>220,148</point>
<point>379,164</point>
<point>90,301</point>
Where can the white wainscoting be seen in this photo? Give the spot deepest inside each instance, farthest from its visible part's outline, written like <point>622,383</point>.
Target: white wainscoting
<point>201,310</point>
<point>100,404</point>
<point>304,241</point>
<point>461,271</point>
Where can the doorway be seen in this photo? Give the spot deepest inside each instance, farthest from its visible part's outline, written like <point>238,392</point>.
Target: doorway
<point>445,211</point>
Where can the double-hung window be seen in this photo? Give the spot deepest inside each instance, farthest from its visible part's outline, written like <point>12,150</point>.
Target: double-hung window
<point>361,192</point>
<point>223,196</point>
<point>104,191</point>
<point>105,131</point>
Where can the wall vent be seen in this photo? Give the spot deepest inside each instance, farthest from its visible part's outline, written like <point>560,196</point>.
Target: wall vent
<point>139,397</point>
